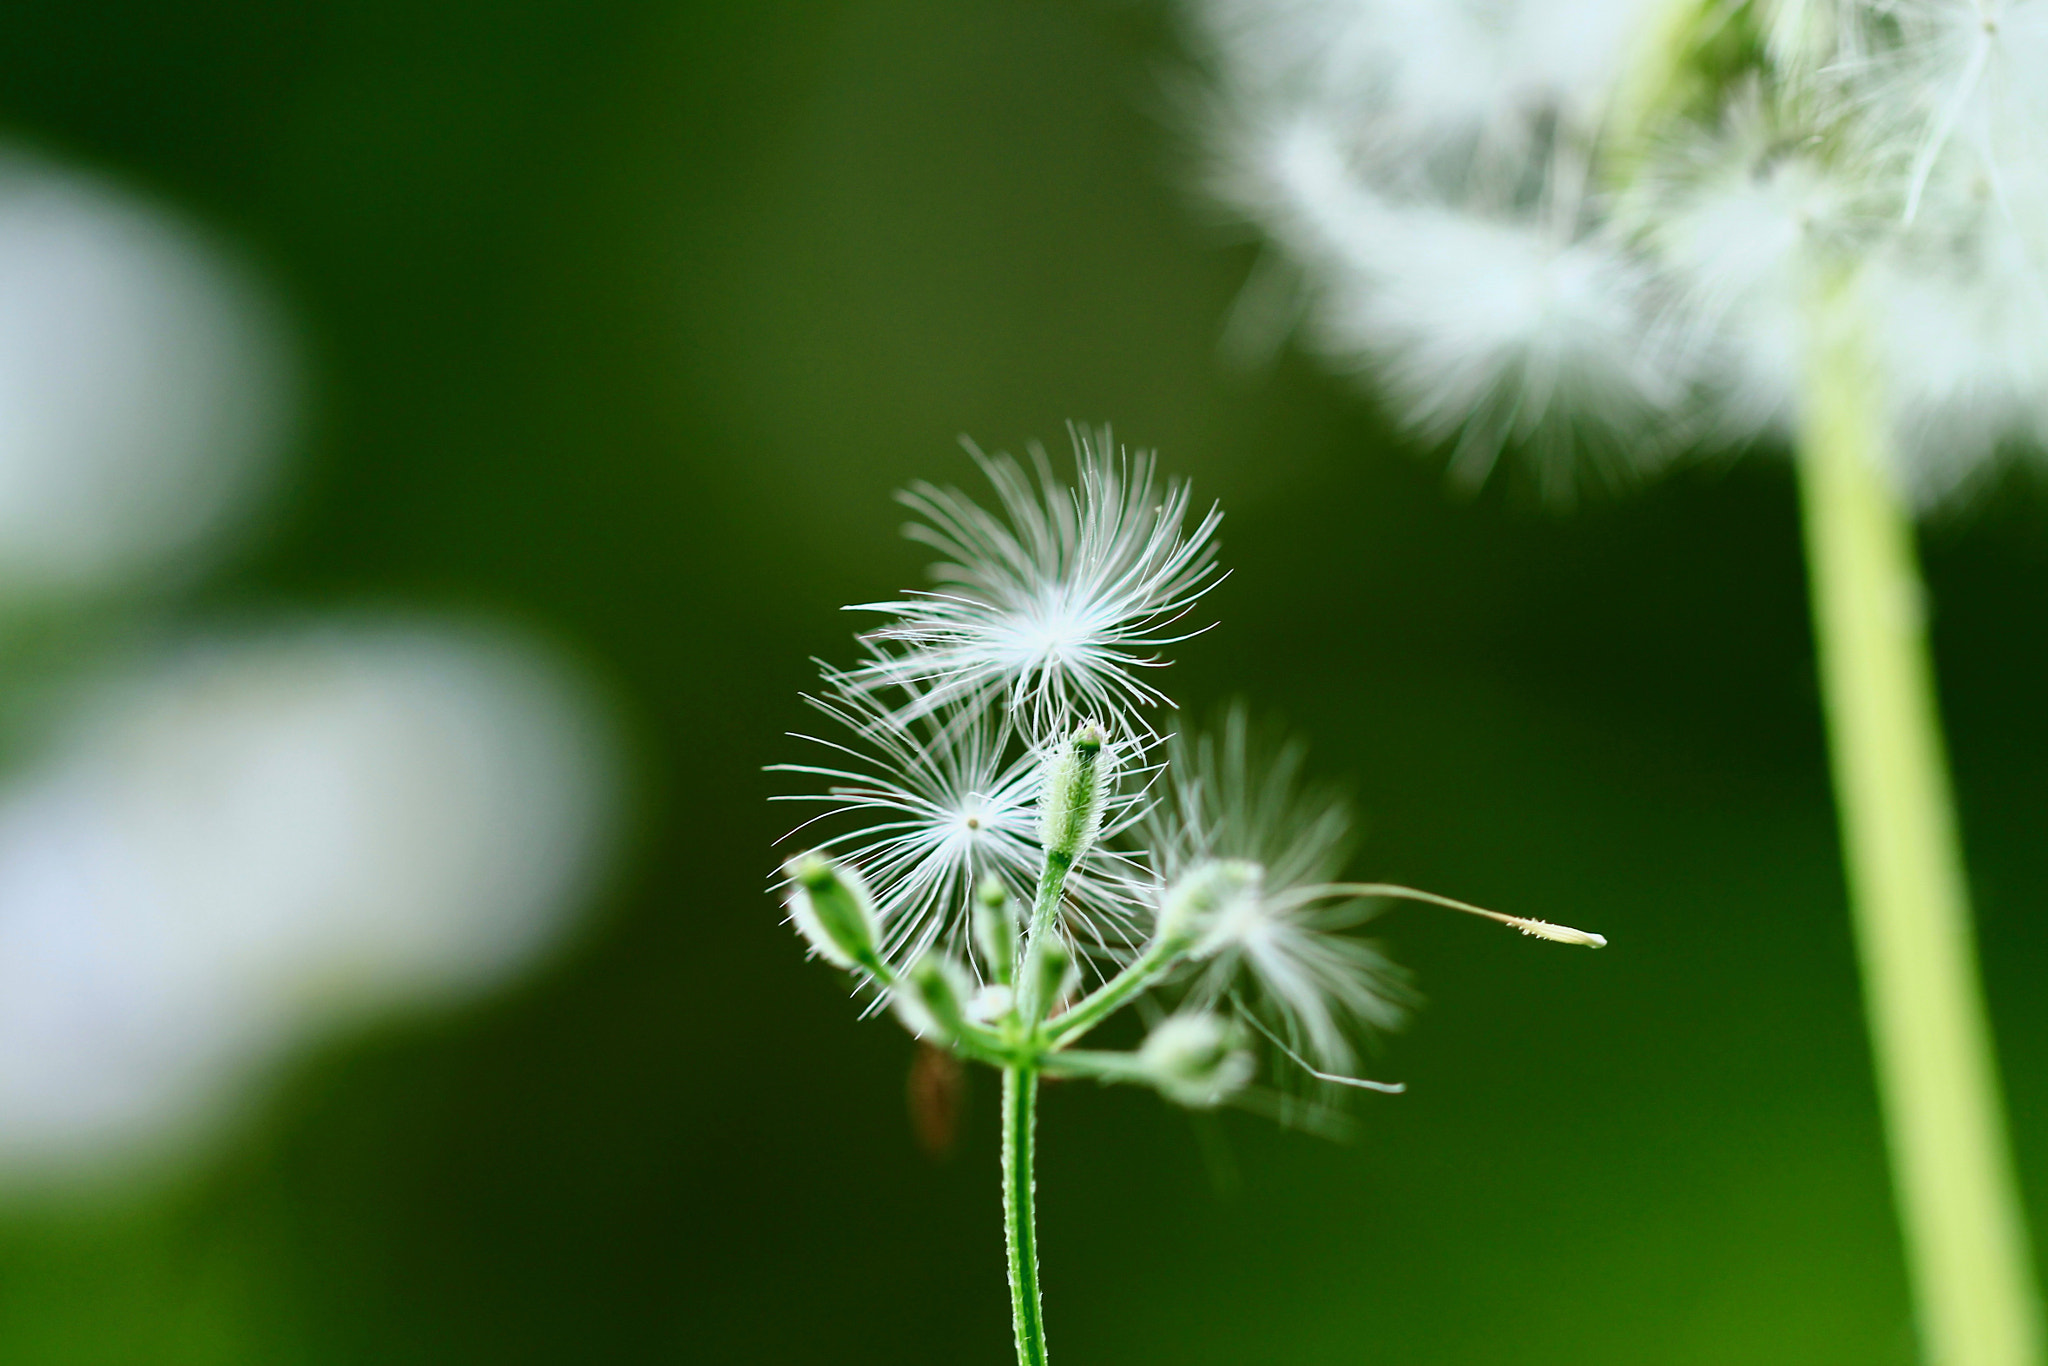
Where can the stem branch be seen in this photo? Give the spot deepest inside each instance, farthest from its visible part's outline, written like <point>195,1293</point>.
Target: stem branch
<point>1110,997</point>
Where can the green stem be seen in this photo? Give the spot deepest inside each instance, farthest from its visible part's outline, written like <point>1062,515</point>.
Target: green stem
<point>1020,1220</point>
<point>1045,907</point>
<point>1959,1206</point>
<point>1111,996</point>
<point>1102,1067</point>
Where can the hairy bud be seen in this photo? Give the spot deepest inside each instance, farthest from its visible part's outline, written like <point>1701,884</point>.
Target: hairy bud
<point>929,999</point>
<point>995,929</point>
<point>830,906</point>
<point>1206,896</point>
<point>1076,784</point>
<point>1194,1060</point>
<point>1058,974</point>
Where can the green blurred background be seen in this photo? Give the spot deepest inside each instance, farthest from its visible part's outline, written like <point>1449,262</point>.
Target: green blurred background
<point>626,319</point>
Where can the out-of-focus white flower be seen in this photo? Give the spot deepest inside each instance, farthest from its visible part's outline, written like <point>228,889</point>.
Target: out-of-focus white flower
<point>145,385</point>
<point>260,836</point>
<point>1056,608</point>
<point>1601,226</point>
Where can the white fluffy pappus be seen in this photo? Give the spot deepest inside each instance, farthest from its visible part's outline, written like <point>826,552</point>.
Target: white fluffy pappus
<point>927,802</point>
<point>1508,325</point>
<point>1429,72</point>
<point>1058,607</point>
<point>1607,251</point>
<point>1278,949</point>
<point>1957,81</point>
<point>1736,223</point>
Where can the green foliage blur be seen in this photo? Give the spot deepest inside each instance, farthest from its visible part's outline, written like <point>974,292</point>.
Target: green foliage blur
<point>627,318</point>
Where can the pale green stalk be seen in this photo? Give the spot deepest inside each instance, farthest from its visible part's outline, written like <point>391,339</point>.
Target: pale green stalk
<point>1966,1245</point>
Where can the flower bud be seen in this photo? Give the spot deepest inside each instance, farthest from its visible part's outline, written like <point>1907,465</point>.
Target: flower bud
<point>995,929</point>
<point>829,904</point>
<point>1207,897</point>
<point>1075,787</point>
<point>1194,1060</point>
<point>928,999</point>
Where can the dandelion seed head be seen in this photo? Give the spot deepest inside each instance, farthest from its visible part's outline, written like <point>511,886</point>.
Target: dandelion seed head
<point>1593,231</point>
<point>1200,869</point>
<point>1439,71</point>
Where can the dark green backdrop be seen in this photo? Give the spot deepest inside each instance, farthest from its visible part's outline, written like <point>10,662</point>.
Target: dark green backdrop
<point>627,318</point>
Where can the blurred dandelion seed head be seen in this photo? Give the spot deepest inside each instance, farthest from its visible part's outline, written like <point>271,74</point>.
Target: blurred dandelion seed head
<point>1590,229</point>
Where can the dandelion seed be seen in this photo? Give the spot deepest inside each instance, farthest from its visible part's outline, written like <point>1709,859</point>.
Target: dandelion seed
<point>1312,984</point>
<point>1059,606</point>
<point>931,804</point>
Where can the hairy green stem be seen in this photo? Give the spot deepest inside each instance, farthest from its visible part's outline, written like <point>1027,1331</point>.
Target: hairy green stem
<point>1045,908</point>
<point>1045,905</point>
<point>1102,1067</point>
<point>1966,1245</point>
<point>1020,1220</point>
<point>1112,995</point>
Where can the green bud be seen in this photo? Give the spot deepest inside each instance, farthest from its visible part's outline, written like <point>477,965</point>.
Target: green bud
<point>1194,1060</point>
<point>830,905</point>
<point>928,1000</point>
<point>1204,897</point>
<point>995,928</point>
<point>1076,784</point>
